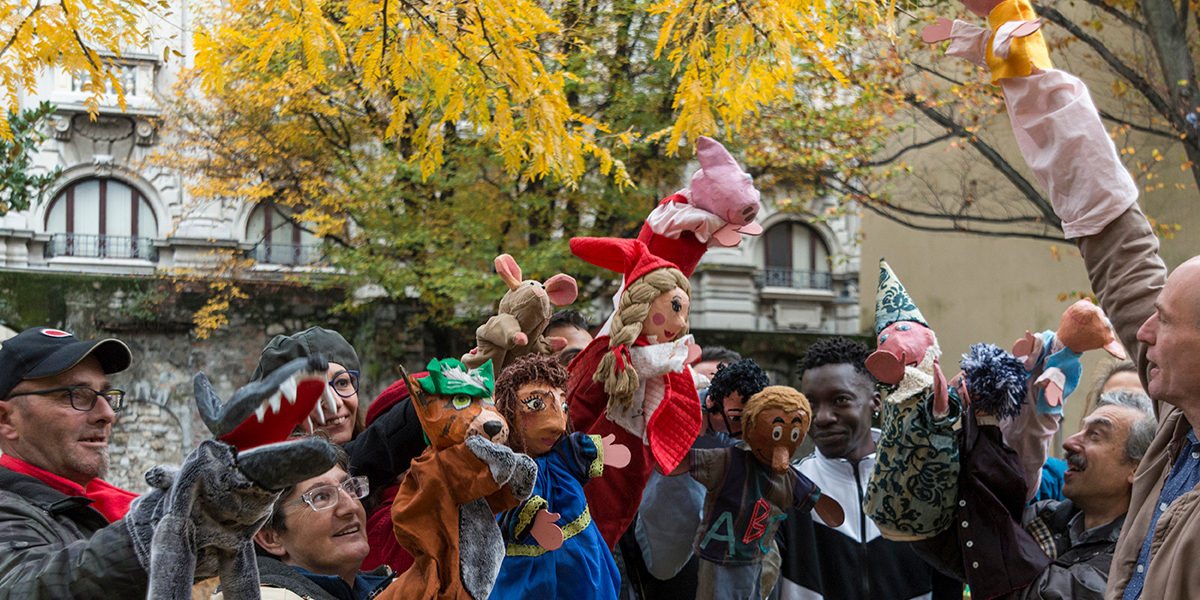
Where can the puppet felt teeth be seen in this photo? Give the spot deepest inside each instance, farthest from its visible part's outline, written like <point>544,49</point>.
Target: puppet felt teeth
<point>272,420</point>
<point>200,518</point>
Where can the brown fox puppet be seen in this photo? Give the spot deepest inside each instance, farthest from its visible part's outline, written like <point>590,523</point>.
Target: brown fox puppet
<point>444,512</point>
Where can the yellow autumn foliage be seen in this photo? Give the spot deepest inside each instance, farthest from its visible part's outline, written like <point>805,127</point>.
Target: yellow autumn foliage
<point>498,70</point>
<point>82,37</point>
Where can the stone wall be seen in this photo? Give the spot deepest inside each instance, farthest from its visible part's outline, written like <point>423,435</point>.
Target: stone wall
<point>160,424</point>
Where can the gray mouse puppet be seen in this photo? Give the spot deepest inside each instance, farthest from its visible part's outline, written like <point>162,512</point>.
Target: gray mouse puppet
<point>523,316</point>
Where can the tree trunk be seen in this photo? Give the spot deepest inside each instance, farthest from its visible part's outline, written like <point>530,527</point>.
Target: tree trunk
<point>1168,31</point>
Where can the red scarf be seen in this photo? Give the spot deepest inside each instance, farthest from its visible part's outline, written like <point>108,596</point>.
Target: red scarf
<point>110,500</point>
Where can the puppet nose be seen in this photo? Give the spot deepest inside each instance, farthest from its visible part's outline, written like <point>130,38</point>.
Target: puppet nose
<point>492,428</point>
<point>781,459</point>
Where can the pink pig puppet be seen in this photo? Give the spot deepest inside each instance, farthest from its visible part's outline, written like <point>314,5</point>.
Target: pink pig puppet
<point>718,206</point>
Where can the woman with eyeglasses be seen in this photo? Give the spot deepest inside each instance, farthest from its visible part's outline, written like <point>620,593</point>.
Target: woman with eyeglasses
<point>384,449</point>
<point>314,543</point>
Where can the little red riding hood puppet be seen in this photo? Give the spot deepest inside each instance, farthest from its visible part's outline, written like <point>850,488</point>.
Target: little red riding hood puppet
<point>632,383</point>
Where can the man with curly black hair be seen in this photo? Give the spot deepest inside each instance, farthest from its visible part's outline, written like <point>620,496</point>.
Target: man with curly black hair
<point>732,385</point>
<point>850,561</point>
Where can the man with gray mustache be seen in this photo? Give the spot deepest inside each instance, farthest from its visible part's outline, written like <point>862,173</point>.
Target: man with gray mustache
<point>1081,532</point>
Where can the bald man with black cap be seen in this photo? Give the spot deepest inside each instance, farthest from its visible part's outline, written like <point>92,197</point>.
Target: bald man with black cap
<point>59,530</point>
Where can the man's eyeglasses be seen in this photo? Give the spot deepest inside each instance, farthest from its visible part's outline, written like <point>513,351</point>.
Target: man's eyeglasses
<point>84,398</point>
<point>326,496</point>
<point>345,384</point>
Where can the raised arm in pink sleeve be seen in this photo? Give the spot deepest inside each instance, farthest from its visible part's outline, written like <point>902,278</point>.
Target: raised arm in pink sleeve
<point>1064,142</point>
<point>1061,136</point>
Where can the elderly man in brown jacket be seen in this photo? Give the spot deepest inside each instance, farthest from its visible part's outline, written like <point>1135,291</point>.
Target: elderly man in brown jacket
<point>1156,316</point>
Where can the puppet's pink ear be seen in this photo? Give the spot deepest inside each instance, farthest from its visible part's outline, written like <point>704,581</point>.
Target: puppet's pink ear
<point>712,155</point>
<point>557,343</point>
<point>562,290</point>
<point>886,366</point>
<point>506,267</point>
<point>830,511</point>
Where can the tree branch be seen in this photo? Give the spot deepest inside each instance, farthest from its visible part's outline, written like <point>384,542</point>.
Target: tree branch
<point>857,191</point>
<point>1134,126</point>
<point>997,161</point>
<point>1144,87</point>
<point>917,146</point>
<point>1007,234</point>
<point>433,29</point>
<point>1118,15</point>
<point>75,32</point>
<point>16,32</point>
<point>384,39</point>
<point>289,218</point>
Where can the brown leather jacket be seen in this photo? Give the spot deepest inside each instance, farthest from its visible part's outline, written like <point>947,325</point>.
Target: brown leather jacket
<point>1127,276</point>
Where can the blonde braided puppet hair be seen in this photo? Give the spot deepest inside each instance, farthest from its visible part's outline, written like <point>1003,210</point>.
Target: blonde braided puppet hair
<point>627,326</point>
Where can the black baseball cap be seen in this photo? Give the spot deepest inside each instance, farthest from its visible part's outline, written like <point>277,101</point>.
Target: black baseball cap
<point>45,352</point>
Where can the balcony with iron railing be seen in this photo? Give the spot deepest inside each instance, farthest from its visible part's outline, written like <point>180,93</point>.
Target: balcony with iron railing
<point>288,254</point>
<point>100,246</point>
<point>797,280</point>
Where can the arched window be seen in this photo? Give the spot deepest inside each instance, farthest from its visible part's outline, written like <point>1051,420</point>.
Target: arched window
<point>278,240</point>
<point>795,256</point>
<point>104,218</point>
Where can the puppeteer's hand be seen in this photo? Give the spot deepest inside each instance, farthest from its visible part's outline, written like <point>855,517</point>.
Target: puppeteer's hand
<point>938,32</point>
<point>547,534</point>
<point>615,455</point>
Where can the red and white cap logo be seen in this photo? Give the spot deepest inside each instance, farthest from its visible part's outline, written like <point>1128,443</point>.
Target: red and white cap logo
<point>55,333</point>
